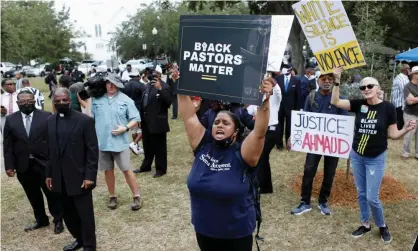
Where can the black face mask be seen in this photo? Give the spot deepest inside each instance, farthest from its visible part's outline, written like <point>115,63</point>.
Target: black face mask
<point>27,108</point>
<point>223,143</point>
<point>63,108</point>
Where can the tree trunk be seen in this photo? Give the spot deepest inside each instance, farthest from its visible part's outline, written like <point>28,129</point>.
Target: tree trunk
<point>296,41</point>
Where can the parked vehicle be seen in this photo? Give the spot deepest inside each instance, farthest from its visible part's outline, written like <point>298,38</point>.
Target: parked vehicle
<point>5,66</point>
<point>38,71</point>
<point>139,64</point>
<point>65,64</point>
<point>164,62</point>
<point>12,72</point>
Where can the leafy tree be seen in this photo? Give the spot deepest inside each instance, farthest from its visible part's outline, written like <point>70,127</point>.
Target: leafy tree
<point>32,29</point>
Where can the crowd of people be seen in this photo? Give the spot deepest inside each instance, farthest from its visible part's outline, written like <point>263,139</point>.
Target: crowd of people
<point>60,153</point>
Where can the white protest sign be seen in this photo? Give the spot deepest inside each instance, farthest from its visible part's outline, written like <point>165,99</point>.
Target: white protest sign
<point>329,33</point>
<point>323,134</point>
<point>279,34</point>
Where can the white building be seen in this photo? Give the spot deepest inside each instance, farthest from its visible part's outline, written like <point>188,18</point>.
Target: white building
<point>98,18</point>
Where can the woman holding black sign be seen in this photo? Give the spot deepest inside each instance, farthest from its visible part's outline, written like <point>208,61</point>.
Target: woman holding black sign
<point>375,122</point>
<point>222,203</point>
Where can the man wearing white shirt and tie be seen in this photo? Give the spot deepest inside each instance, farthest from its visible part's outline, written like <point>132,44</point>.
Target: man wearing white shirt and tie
<point>290,87</point>
<point>8,100</point>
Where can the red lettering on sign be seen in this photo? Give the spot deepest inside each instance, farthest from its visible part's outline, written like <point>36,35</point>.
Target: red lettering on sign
<point>325,144</point>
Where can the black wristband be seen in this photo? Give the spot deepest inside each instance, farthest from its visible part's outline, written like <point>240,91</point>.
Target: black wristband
<point>336,84</point>
<point>127,128</point>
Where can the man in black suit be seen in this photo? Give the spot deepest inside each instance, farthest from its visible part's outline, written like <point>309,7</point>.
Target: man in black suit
<point>72,169</point>
<point>156,100</point>
<point>290,87</point>
<point>26,153</point>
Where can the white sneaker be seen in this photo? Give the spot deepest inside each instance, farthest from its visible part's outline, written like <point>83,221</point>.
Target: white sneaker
<point>140,150</point>
<point>134,148</point>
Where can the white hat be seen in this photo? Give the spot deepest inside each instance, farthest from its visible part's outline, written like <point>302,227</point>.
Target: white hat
<point>159,69</point>
<point>134,73</point>
<point>414,70</point>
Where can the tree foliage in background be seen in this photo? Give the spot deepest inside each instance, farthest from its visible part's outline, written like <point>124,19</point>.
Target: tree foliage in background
<point>34,30</point>
<point>165,17</point>
<point>376,24</point>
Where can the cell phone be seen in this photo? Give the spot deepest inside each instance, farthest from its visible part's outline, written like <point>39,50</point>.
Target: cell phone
<point>83,95</point>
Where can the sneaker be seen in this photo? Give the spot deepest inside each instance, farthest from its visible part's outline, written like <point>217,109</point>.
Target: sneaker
<point>134,148</point>
<point>140,150</point>
<point>302,208</point>
<point>324,209</point>
<point>113,203</point>
<point>137,203</point>
<point>360,231</point>
<point>385,235</point>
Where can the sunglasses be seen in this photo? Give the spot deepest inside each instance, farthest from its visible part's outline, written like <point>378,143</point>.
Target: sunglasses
<point>369,86</point>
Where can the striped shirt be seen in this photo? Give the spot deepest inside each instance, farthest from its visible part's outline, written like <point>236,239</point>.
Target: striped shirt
<point>39,98</point>
<point>397,90</point>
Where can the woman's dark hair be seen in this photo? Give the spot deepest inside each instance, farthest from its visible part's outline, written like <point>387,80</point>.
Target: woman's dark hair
<point>237,123</point>
<point>3,82</point>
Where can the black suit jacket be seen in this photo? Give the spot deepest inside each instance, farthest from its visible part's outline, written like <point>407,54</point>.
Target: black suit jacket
<point>17,146</point>
<point>290,98</point>
<point>74,159</point>
<point>155,114</point>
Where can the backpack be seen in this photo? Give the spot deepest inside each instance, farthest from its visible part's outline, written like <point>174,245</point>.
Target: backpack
<point>48,79</point>
<point>250,174</point>
<point>311,98</point>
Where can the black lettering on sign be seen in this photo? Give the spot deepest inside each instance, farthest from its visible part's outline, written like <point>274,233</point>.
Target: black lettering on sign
<point>341,56</point>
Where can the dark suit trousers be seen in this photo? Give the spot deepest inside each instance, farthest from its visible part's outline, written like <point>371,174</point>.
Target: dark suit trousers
<point>284,124</point>
<point>399,116</point>
<point>175,106</point>
<point>33,182</point>
<point>79,217</point>
<point>415,248</point>
<point>311,166</point>
<point>155,145</point>
<point>263,167</point>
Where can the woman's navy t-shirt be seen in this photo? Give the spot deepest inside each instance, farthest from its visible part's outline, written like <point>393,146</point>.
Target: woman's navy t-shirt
<point>221,203</point>
<point>372,123</point>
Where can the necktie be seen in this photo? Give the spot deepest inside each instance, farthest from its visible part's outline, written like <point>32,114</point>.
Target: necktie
<point>286,82</point>
<point>27,125</point>
<point>11,103</point>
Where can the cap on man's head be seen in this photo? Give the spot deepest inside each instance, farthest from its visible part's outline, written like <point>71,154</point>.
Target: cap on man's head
<point>414,70</point>
<point>159,69</point>
<point>134,73</point>
<point>115,79</point>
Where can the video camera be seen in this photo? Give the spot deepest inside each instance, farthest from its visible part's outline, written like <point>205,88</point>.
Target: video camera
<point>97,85</point>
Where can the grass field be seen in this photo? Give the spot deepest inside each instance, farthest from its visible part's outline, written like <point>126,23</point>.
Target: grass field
<point>164,222</point>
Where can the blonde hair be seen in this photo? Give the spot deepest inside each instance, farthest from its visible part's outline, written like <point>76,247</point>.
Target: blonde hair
<point>369,80</point>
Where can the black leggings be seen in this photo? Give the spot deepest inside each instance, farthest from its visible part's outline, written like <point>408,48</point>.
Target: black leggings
<point>213,244</point>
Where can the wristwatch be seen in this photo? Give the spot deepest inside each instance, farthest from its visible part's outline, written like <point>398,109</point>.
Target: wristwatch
<point>336,84</point>
<point>127,128</point>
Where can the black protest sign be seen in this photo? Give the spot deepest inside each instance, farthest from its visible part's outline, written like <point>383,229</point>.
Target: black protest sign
<point>223,57</point>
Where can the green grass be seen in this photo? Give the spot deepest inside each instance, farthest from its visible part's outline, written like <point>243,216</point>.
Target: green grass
<point>164,222</point>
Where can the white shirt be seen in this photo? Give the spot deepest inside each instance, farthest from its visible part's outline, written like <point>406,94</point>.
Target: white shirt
<point>143,81</point>
<point>274,101</point>
<point>125,76</point>
<point>5,98</point>
<point>39,98</point>
<point>252,109</point>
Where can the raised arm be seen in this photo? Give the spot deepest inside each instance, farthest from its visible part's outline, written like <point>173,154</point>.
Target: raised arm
<point>194,129</point>
<point>252,147</point>
<point>335,98</point>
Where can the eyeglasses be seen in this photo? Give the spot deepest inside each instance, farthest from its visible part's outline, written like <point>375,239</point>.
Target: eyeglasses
<point>369,86</point>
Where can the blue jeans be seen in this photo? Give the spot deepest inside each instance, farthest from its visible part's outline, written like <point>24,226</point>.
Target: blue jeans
<point>368,174</point>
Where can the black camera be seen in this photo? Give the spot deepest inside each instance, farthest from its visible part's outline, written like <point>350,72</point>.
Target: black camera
<point>97,85</point>
<point>152,75</point>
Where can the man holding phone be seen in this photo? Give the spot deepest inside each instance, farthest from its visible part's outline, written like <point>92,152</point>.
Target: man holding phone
<point>8,100</point>
<point>154,113</point>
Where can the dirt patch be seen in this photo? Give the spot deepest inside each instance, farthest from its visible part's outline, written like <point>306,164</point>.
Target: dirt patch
<point>344,192</point>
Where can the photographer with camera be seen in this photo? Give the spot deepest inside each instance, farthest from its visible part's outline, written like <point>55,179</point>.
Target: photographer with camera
<point>154,113</point>
<point>114,114</point>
